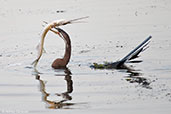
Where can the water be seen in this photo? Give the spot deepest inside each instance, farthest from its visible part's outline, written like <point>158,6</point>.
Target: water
<point>112,30</point>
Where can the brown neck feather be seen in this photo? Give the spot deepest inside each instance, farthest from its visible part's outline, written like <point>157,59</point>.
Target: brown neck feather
<point>67,40</point>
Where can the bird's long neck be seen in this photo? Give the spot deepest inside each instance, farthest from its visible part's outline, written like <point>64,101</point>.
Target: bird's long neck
<point>67,40</point>
<point>67,54</point>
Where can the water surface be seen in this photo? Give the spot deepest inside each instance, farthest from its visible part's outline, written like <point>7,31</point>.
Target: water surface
<point>112,30</point>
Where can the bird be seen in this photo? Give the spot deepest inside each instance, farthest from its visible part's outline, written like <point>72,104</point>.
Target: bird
<point>128,58</point>
<point>62,62</point>
<point>54,27</point>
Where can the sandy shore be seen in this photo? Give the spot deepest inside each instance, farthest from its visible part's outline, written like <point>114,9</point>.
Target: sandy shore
<point>111,31</point>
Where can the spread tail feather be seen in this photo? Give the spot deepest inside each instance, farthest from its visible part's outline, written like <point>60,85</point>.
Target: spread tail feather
<point>134,53</point>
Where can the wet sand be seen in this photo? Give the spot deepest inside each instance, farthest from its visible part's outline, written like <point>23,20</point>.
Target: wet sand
<point>111,31</point>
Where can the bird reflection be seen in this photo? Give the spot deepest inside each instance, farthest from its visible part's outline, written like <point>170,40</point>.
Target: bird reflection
<point>53,104</point>
<point>134,76</point>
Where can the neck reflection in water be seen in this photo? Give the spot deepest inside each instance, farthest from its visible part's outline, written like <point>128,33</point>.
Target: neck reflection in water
<point>61,104</point>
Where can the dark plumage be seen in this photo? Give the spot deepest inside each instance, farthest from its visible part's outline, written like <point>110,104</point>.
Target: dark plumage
<point>128,58</point>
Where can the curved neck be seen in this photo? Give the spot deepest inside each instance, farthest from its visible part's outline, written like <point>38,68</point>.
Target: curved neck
<point>67,54</point>
<point>67,40</point>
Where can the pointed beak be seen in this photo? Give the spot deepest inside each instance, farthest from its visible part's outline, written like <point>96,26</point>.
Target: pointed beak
<point>77,20</point>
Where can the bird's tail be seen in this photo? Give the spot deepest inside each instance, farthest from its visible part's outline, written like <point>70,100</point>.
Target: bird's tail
<point>134,53</point>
